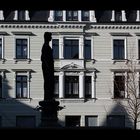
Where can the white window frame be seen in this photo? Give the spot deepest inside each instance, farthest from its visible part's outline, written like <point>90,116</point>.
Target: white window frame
<point>28,48</point>
<point>125,47</point>
<point>125,88</point>
<point>23,73</point>
<point>2,39</point>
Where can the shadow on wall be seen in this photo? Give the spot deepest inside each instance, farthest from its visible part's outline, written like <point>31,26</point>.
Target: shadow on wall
<point>18,112</point>
<point>117,117</point>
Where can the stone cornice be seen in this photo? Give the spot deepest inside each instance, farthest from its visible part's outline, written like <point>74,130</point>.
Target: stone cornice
<point>68,26</point>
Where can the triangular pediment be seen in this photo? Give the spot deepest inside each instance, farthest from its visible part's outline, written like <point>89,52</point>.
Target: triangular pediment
<point>72,66</point>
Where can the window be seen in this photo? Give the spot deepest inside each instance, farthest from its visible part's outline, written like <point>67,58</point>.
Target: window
<point>25,121</point>
<point>0,48</point>
<point>117,121</point>
<point>71,86</point>
<point>72,15</point>
<point>21,48</point>
<point>85,15</point>
<point>21,86</point>
<point>119,86</point>
<point>56,86</point>
<point>139,49</point>
<point>0,86</point>
<point>91,121</point>
<point>72,121</point>
<point>88,86</point>
<point>87,49</point>
<point>21,15</point>
<point>118,49</point>
<point>58,15</point>
<point>55,47</point>
<point>71,49</point>
<point>118,16</point>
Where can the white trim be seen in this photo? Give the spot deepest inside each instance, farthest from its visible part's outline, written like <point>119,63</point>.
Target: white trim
<point>138,15</point>
<point>92,17</point>
<point>81,47</point>
<point>92,47</point>
<point>28,45</point>
<point>61,85</point>
<point>93,85</point>
<point>125,45</point>
<point>113,15</point>
<point>123,15</point>
<point>25,73</point>
<point>64,15</point>
<point>2,41</point>
<point>79,15</point>
<point>16,15</point>
<point>61,47</point>
<point>27,15</point>
<point>81,84</point>
<point>51,16</point>
<point>1,15</point>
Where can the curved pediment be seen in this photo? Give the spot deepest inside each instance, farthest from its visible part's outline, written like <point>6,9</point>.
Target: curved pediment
<point>72,66</point>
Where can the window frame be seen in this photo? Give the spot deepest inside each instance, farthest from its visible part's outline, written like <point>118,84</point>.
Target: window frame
<point>2,47</point>
<point>125,47</point>
<point>72,15</point>
<point>28,48</point>
<point>83,18</point>
<point>78,47</point>
<point>72,95</point>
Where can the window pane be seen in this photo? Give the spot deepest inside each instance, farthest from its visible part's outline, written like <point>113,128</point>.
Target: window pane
<point>55,47</point>
<point>119,87</point>
<point>21,48</point>
<point>117,121</point>
<point>58,15</point>
<point>25,121</point>
<point>56,86</point>
<point>72,15</point>
<point>72,121</point>
<point>118,46</point>
<point>91,120</point>
<point>71,49</point>
<point>85,15</point>
<point>18,94</point>
<point>24,90</point>
<point>87,49</point>
<point>88,86</point>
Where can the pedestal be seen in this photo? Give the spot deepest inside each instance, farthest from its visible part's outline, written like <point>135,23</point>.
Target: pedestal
<point>49,110</point>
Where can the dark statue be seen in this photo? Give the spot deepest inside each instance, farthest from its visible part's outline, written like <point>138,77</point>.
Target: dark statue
<point>48,106</point>
<point>48,67</point>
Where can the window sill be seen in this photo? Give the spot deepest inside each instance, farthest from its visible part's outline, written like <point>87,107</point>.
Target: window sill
<point>71,100</point>
<point>27,59</point>
<point>6,100</point>
<point>120,60</point>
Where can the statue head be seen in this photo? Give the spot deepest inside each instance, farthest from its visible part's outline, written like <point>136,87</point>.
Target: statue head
<point>47,36</point>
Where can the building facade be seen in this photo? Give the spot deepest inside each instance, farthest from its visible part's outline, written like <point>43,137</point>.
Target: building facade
<point>89,47</point>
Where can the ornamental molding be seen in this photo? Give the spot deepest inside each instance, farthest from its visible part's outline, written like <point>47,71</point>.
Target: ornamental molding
<point>68,26</point>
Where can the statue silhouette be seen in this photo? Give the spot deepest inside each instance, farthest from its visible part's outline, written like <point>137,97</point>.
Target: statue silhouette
<point>48,67</point>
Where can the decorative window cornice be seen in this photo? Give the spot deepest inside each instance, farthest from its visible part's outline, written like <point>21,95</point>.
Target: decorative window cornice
<point>23,33</point>
<point>120,34</point>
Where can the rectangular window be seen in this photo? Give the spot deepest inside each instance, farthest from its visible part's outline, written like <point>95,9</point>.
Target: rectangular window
<point>21,48</point>
<point>58,15</point>
<point>118,16</point>
<point>71,49</point>
<point>117,121</point>
<point>21,15</point>
<point>91,121</point>
<point>139,49</point>
<point>85,15</point>
<point>25,121</point>
<point>71,86</point>
<point>0,86</point>
<point>21,86</point>
<point>55,47</point>
<point>0,48</point>
<point>88,86</point>
<point>72,121</point>
<point>87,50</point>
<point>119,86</point>
<point>72,15</point>
<point>118,49</point>
<point>56,86</point>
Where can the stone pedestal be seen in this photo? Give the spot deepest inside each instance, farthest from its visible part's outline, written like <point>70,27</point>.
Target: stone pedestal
<point>49,110</point>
